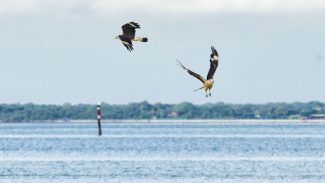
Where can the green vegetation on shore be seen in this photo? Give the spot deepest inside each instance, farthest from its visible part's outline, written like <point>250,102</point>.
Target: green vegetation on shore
<point>145,110</point>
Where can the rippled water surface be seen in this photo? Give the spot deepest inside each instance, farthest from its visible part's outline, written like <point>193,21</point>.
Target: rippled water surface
<point>162,153</point>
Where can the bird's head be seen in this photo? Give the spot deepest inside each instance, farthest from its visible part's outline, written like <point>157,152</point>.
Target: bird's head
<point>117,37</point>
<point>211,80</point>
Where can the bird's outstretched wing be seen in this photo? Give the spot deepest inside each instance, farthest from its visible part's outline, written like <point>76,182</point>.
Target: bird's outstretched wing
<point>126,42</point>
<point>214,59</point>
<point>129,29</point>
<point>191,72</point>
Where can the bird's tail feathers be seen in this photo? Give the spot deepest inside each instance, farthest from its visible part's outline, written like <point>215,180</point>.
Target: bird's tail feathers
<point>198,89</point>
<point>141,39</point>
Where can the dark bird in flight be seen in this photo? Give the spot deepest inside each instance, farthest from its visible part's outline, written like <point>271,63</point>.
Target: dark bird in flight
<point>129,35</point>
<point>207,83</point>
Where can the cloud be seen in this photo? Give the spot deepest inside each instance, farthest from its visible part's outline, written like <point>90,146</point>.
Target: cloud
<point>25,7</point>
<point>117,7</point>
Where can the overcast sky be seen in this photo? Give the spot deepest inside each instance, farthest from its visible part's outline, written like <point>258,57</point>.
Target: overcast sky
<point>56,51</point>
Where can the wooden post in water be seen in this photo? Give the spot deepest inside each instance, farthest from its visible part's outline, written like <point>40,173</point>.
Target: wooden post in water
<point>98,120</point>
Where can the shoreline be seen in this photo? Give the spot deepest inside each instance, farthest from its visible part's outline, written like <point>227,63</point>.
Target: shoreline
<point>177,121</point>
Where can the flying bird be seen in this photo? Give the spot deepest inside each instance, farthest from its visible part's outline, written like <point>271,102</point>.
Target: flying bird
<point>129,35</point>
<point>208,82</point>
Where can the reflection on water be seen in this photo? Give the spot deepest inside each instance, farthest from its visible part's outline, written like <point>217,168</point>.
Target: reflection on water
<point>162,153</point>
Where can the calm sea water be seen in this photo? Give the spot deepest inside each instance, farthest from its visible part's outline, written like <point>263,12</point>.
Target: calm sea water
<point>145,153</point>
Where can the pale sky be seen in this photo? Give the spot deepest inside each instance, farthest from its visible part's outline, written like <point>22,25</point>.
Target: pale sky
<point>56,51</point>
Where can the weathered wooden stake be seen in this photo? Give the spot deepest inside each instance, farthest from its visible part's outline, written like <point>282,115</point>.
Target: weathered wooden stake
<point>98,120</point>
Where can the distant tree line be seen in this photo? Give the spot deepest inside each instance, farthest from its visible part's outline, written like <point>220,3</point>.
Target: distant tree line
<point>145,110</point>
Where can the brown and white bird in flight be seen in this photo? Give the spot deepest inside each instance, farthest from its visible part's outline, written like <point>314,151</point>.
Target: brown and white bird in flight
<point>129,35</point>
<point>208,82</point>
